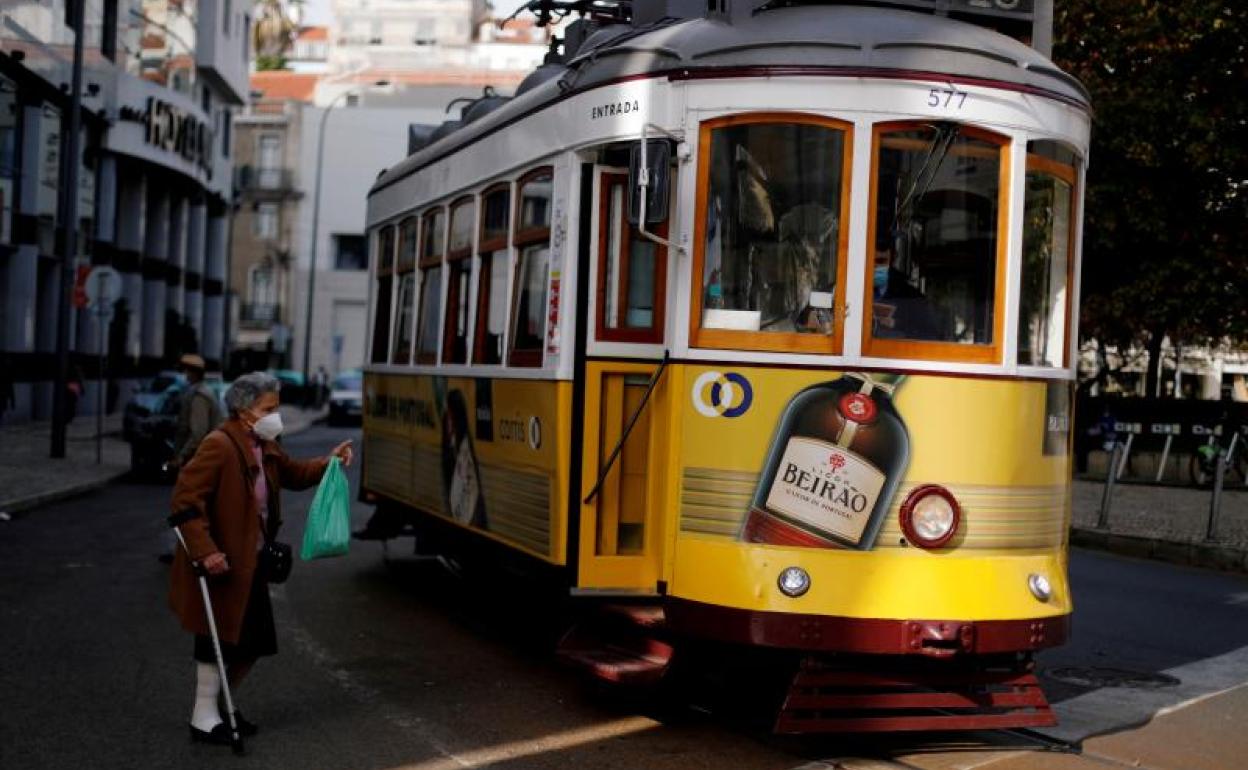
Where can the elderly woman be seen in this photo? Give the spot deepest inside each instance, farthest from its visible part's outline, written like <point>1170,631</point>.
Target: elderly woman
<point>224,496</point>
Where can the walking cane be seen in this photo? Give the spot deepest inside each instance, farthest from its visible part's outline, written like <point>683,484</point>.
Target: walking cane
<point>236,735</point>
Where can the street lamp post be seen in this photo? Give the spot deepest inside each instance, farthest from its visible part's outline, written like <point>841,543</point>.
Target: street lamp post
<point>316,221</point>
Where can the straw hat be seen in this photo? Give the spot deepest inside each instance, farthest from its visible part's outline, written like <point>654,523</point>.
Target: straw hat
<point>192,361</point>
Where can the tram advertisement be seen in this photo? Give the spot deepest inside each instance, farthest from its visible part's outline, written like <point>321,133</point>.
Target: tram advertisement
<point>471,449</point>
<point>809,458</point>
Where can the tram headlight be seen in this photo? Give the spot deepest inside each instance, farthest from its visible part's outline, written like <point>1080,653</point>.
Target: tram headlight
<point>1040,587</point>
<point>930,516</point>
<point>793,581</point>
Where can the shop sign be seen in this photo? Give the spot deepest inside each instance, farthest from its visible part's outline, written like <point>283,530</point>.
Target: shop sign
<point>175,130</point>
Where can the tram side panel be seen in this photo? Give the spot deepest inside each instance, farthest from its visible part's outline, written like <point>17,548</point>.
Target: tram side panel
<point>759,491</point>
<point>485,454</point>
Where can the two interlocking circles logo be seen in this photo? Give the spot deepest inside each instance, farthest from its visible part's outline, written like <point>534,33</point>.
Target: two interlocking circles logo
<point>720,394</point>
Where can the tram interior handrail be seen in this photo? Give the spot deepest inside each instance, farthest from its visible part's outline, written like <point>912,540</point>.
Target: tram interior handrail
<point>632,421</point>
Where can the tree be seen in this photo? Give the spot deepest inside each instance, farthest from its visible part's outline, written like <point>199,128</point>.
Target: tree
<point>1167,195</point>
<point>273,31</point>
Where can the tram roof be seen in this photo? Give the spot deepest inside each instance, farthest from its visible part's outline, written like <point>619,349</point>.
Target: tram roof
<point>852,39</point>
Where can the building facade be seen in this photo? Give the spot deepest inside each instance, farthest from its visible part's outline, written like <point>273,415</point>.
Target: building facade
<point>161,79</point>
<point>266,157</point>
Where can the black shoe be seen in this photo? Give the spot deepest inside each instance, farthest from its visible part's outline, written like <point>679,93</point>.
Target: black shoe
<point>219,735</point>
<point>245,728</point>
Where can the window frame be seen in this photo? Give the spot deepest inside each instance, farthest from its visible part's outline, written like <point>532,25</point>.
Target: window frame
<point>521,239</point>
<point>384,273</point>
<point>654,334</point>
<point>1070,175</point>
<point>951,352</point>
<point>404,358</point>
<point>775,342</point>
<point>455,264</point>
<point>485,288</point>
<point>425,263</point>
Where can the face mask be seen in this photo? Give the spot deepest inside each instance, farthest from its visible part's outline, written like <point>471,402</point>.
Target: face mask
<point>269,426</point>
<point>881,277</point>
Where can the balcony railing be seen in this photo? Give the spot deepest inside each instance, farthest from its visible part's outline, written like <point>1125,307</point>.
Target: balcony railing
<point>259,314</point>
<point>256,179</point>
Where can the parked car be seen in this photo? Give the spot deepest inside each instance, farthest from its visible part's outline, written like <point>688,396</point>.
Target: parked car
<point>346,398</point>
<point>150,421</point>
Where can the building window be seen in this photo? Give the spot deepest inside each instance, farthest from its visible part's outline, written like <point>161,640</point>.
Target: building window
<point>350,252</point>
<point>108,31</point>
<point>492,275</point>
<point>227,11</point>
<point>10,160</point>
<point>528,321</point>
<point>269,161</point>
<point>227,124</point>
<point>265,222</point>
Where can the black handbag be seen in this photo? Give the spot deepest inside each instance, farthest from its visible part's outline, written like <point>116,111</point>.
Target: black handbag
<point>275,558</point>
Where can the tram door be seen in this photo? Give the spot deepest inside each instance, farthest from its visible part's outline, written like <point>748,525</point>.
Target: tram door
<point>625,447</point>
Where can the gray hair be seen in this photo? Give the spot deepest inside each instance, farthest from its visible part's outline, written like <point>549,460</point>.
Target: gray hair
<point>248,389</point>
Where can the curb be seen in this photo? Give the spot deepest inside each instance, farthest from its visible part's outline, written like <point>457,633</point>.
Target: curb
<point>24,504</point>
<point>1209,555</point>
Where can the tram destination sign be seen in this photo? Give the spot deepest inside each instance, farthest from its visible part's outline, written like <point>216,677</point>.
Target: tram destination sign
<point>1021,10</point>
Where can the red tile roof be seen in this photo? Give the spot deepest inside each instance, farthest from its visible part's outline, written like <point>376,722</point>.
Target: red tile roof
<point>313,34</point>
<point>283,84</point>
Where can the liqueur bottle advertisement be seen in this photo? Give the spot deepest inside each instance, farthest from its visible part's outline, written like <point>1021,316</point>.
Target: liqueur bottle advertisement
<point>833,466</point>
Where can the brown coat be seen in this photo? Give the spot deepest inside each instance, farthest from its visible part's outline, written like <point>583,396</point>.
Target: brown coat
<point>214,486</point>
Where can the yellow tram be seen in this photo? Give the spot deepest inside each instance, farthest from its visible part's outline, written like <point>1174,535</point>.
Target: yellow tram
<point>756,322</point>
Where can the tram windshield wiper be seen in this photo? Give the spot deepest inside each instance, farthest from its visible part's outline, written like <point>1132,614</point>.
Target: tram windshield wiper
<point>934,158</point>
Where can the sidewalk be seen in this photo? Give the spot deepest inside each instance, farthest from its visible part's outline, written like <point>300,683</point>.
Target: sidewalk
<point>1163,522</point>
<point>29,478</point>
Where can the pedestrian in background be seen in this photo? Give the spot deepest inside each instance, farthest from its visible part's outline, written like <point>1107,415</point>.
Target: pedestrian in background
<point>198,414</point>
<point>229,498</point>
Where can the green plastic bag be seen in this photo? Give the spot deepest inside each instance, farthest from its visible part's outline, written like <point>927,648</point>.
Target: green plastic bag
<point>329,519</point>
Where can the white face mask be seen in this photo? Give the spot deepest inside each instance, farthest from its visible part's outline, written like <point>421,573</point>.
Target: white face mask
<point>269,426</point>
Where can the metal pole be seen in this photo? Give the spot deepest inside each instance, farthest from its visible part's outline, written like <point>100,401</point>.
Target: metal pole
<point>101,321</point>
<point>1215,502</point>
<point>316,219</point>
<point>69,221</point>
<point>1165,454</point>
<point>1126,453</point>
<point>1107,497</point>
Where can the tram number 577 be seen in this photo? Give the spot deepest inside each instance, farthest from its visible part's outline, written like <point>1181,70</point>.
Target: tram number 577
<point>949,98</point>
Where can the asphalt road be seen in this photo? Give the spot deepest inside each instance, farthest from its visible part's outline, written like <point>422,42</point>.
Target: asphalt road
<point>394,663</point>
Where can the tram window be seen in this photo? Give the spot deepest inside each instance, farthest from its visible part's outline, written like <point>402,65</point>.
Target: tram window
<point>937,242</point>
<point>403,332</point>
<point>407,244</point>
<point>405,264</point>
<point>492,275</point>
<point>432,249</point>
<point>631,271</point>
<point>381,307</point>
<point>459,270</point>
<point>1048,254</point>
<point>773,238</point>
<point>528,322</point>
<point>461,228</point>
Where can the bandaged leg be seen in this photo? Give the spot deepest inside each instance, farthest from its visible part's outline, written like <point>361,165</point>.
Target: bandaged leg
<point>207,688</point>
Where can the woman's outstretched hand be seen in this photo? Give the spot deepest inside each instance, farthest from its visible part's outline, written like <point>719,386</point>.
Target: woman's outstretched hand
<point>343,453</point>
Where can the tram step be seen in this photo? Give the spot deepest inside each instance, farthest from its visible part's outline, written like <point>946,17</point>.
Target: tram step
<point>619,644</point>
<point>831,701</point>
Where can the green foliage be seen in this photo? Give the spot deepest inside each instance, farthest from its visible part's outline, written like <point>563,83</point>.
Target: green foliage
<point>1167,198</point>
<point>265,62</point>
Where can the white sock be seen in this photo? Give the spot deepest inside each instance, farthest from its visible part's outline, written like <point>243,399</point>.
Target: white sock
<point>207,688</point>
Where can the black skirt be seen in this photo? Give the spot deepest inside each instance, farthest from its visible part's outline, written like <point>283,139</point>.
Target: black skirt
<point>258,635</point>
